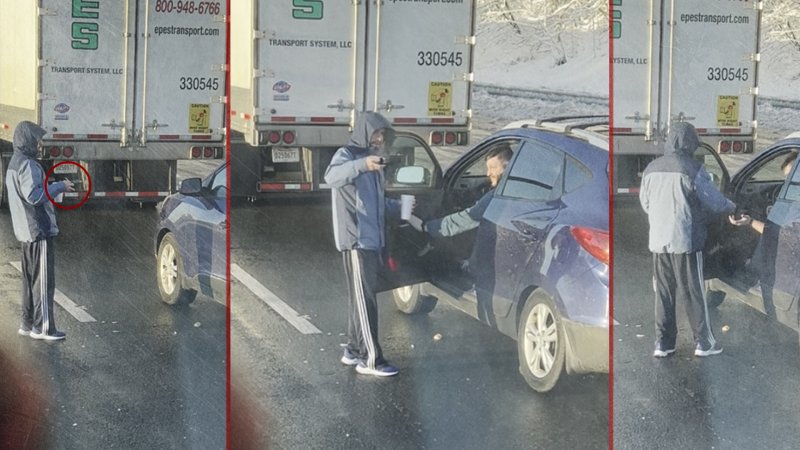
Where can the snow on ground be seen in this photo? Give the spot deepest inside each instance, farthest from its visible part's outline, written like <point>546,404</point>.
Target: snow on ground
<point>501,58</point>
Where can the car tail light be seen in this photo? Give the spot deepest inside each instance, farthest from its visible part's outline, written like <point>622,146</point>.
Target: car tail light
<point>391,263</point>
<point>274,137</point>
<point>196,152</point>
<point>208,152</point>
<point>436,138</point>
<point>55,152</point>
<point>288,137</point>
<point>68,152</point>
<point>737,147</point>
<point>724,147</point>
<point>594,241</point>
<point>450,138</point>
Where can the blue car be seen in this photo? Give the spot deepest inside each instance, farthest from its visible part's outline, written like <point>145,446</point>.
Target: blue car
<point>190,240</point>
<point>537,266</point>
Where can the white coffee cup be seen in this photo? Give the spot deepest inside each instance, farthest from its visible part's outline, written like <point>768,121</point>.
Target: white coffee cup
<point>406,205</point>
<point>60,198</point>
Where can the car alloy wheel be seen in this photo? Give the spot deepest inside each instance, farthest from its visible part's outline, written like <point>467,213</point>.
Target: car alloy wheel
<point>169,267</point>
<point>540,342</point>
<point>410,300</point>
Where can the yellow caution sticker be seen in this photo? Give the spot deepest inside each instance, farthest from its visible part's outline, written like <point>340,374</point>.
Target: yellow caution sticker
<point>727,111</point>
<point>199,118</point>
<point>440,98</point>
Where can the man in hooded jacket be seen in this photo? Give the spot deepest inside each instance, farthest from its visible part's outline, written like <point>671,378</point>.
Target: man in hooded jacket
<point>356,177</point>
<point>34,221</point>
<point>678,196</point>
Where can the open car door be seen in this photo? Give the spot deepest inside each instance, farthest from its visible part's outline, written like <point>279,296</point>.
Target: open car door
<point>411,168</point>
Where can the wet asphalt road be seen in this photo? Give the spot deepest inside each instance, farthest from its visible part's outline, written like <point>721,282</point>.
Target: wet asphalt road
<point>142,375</point>
<point>464,391</point>
<point>745,397</point>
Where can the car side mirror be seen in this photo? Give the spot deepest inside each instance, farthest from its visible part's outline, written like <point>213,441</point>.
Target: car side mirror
<point>191,186</point>
<point>411,175</point>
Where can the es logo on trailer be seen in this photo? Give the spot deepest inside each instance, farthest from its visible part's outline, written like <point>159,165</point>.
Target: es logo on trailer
<point>307,9</point>
<point>84,34</point>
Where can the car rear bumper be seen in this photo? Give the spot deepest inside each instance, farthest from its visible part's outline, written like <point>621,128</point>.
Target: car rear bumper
<point>587,347</point>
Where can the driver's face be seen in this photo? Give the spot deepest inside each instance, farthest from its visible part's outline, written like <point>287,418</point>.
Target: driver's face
<point>494,170</point>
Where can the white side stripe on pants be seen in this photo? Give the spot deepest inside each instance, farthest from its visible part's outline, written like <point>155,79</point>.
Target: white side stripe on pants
<point>361,305</point>
<point>76,311</point>
<point>711,339</point>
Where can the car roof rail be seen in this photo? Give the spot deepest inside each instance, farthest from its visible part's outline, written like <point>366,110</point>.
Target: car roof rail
<point>595,130</point>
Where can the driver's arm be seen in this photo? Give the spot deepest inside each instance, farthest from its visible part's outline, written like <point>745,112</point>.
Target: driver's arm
<point>460,221</point>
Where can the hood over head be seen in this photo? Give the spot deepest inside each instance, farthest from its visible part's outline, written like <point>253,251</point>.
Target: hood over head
<point>368,123</point>
<point>682,139</point>
<point>26,138</point>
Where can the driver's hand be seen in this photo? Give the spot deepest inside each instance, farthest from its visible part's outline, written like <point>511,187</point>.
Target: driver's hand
<point>69,185</point>
<point>743,220</point>
<point>415,222</point>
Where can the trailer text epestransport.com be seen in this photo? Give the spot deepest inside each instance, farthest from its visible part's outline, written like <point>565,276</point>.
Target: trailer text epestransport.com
<point>186,31</point>
<point>717,19</point>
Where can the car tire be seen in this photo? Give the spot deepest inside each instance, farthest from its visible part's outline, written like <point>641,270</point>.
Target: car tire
<point>3,196</point>
<point>169,270</point>
<point>409,300</point>
<point>714,298</point>
<point>540,343</point>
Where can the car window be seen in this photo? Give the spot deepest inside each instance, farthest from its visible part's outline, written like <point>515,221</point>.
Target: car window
<point>771,171</point>
<point>536,173</point>
<point>575,174</point>
<point>404,152</point>
<point>478,167</point>
<point>219,186</point>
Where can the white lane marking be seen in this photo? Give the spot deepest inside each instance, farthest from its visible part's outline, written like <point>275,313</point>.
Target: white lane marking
<point>76,311</point>
<point>273,301</point>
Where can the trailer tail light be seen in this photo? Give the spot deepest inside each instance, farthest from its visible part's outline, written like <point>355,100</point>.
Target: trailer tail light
<point>436,138</point>
<point>196,152</point>
<point>594,241</point>
<point>737,147</point>
<point>68,152</point>
<point>274,137</point>
<point>55,152</point>
<point>208,152</point>
<point>725,147</point>
<point>288,137</point>
<point>450,138</point>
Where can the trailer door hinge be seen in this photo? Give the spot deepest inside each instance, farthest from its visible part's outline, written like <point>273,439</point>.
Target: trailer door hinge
<point>263,73</point>
<point>753,90</point>
<point>466,40</point>
<point>41,96</point>
<point>754,57</point>
<point>219,99</point>
<point>341,106</point>
<point>47,12</point>
<point>261,34</point>
<point>45,62</point>
<point>219,67</point>
<point>468,77</point>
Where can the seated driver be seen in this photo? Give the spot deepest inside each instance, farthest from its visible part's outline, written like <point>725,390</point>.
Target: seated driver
<point>468,219</point>
<point>786,168</point>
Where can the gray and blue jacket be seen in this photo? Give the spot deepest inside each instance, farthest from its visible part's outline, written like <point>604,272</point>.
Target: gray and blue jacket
<point>678,196</point>
<point>359,205</point>
<point>32,213</point>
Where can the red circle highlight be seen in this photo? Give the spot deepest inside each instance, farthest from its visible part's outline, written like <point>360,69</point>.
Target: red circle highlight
<point>88,191</point>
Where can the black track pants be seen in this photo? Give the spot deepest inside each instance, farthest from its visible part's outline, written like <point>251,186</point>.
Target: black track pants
<point>679,277</point>
<point>38,285</point>
<point>361,268</point>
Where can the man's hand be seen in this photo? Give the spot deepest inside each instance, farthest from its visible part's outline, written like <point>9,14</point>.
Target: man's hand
<point>374,163</point>
<point>69,185</point>
<point>416,222</point>
<point>743,220</point>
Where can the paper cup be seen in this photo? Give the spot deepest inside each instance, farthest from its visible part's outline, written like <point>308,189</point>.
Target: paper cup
<point>406,204</point>
<point>60,198</point>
